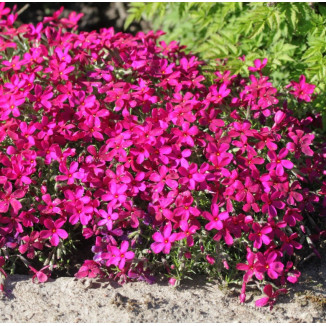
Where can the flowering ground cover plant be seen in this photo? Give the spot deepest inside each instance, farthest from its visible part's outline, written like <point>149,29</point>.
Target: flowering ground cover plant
<point>120,153</point>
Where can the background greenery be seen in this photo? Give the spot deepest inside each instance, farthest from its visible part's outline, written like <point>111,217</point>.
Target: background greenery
<point>290,35</point>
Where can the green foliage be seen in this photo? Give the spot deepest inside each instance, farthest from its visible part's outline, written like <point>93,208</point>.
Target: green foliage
<point>290,35</point>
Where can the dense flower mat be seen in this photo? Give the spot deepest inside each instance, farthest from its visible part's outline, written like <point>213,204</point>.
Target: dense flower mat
<point>127,145</point>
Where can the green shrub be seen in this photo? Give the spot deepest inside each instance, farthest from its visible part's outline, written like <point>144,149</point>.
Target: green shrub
<point>290,35</point>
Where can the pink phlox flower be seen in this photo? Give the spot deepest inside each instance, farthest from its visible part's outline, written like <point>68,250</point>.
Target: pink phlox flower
<point>19,172</point>
<point>190,176</point>
<point>289,244</point>
<point>278,162</point>
<point>121,175</point>
<point>184,208</point>
<point>71,174</point>
<point>34,33</point>
<point>120,256</point>
<point>266,139</point>
<point>41,98</point>
<point>79,212</point>
<point>271,202</point>
<point>90,128</point>
<point>11,105</point>
<point>292,215</point>
<point>271,296</point>
<point>46,128</point>
<point>8,197</point>
<point>260,235</point>
<point>252,268</point>
<point>51,206</point>
<point>294,196</point>
<point>185,135</point>
<point>161,209</point>
<point>53,231</point>
<point>270,264</point>
<point>72,20</point>
<point>15,64</point>
<point>246,191</point>
<point>266,99</point>
<point>187,232</point>
<point>90,269</point>
<point>301,143</point>
<point>302,90</point>
<point>216,96</point>
<point>13,223</point>
<point>292,275</point>
<point>164,240</point>
<point>42,275</point>
<point>241,129</point>
<point>216,219</point>
<point>179,157</point>
<point>99,157</point>
<point>209,118</point>
<point>31,242</point>
<point>27,217</point>
<point>63,54</point>
<point>108,217</point>
<point>225,77</point>
<point>119,144</point>
<point>116,194</point>
<point>137,183</point>
<point>161,153</point>
<point>258,65</point>
<point>4,11</point>
<point>164,176</point>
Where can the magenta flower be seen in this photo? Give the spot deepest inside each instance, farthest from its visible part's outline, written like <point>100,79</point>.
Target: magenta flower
<point>278,162</point>
<point>164,177</point>
<point>185,135</point>
<point>11,106</point>
<point>216,96</point>
<point>215,218</point>
<point>14,64</point>
<point>252,268</point>
<point>116,194</point>
<point>190,175</point>
<point>271,296</point>
<point>289,244</point>
<point>31,242</point>
<point>10,198</point>
<point>258,65</point>
<point>69,175</point>
<point>292,215</point>
<point>42,275</point>
<point>54,232</point>
<point>301,143</point>
<point>89,269</point>
<point>108,218</point>
<point>260,235</point>
<point>51,206</point>
<point>270,264</point>
<point>120,256</point>
<point>187,232</point>
<point>271,203</point>
<point>302,90</point>
<point>163,242</point>
<point>80,212</point>
<point>41,99</point>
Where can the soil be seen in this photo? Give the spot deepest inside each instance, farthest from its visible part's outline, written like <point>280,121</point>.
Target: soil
<point>68,299</point>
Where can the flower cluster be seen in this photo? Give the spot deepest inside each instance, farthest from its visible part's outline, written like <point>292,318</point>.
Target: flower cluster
<point>123,141</point>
